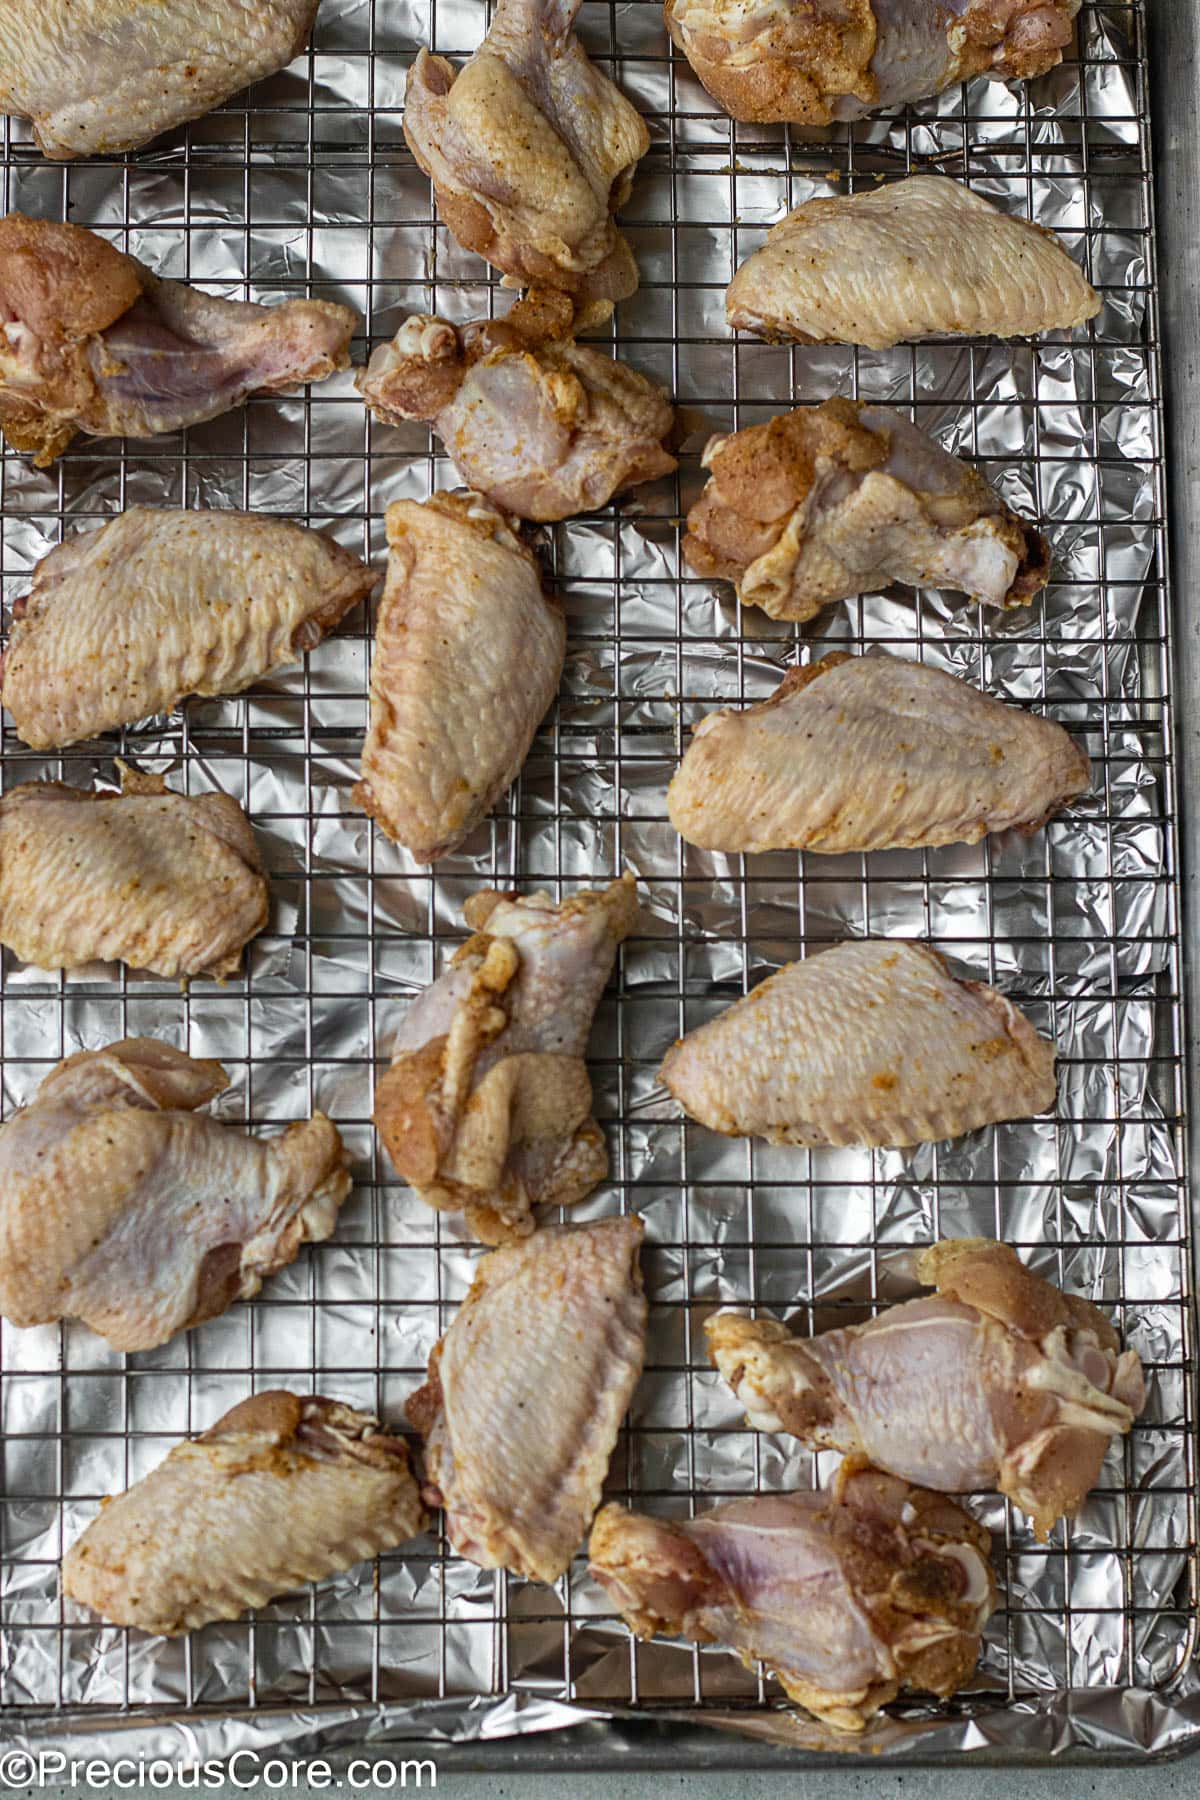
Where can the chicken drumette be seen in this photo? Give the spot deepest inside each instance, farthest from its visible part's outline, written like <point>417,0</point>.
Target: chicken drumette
<point>842,59</point>
<point>91,340</point>
<point>997,1380</point>
<point>848,1596</point>
<point>541,425</point>
<point>486,1109</point>
<point>835,500</point>
<point>531,151</point>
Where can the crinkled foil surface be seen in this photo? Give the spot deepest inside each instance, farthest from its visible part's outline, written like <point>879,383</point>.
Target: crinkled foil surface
<point>306,186</point>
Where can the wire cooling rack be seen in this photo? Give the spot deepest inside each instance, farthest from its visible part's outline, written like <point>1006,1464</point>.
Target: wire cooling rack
<point>305,185</point>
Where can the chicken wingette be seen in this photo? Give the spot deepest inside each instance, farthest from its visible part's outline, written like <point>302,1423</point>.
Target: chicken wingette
<point>98,76</point>
<point>285,1489</point>
<point>919,258</point>
<point>123,1206</point>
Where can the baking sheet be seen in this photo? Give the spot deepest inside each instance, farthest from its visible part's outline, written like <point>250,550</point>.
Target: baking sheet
<point>306,186</point>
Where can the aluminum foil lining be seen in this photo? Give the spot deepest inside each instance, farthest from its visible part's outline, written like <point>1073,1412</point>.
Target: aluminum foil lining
<point>307,187</point>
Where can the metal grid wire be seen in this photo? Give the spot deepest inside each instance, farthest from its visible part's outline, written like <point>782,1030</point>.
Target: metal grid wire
<point>305,185</point>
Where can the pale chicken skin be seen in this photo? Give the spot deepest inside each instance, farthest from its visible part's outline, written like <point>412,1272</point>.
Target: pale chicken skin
<point>842,59</point>
<point>124,1207</point>
<point>858,753</point>
<point>166,882</point>
<point>526,1393</point>
<point>93,341</point>
<point>531,151</point>
<point>831,501</point>
<point>996,1380</point>
<point>486,1109</point>
<point>127,621</point>
<point>285,1489</point>
<point>543,427</point>
<point>919,258</point>
<point>466,663</point>
<point>849,1596</point>
<point>871,1042</point>
<point>98,76</point>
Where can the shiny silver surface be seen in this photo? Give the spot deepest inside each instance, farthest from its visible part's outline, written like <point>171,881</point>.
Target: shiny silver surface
<point>306,186</point>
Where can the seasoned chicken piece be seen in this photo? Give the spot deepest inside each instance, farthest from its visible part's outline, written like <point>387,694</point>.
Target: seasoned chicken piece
<point>91,340</point>
<point>486,1109</point>
<point>97,76</point>
<point>123,1207</point>
<point>531,150</point>
<point>543,428</point>
<point>922,257</point>
<point>128,620</point>
<point>526,1393</point>
<point>848,1596</point>
<point>871,1042</point>
<point>466,663</point>
<point>283,1490</point>
<point>998,1381</point>
<point>861,753</point>
<point>159,880</point>
<point>842,59</point>
<point>835,500</point>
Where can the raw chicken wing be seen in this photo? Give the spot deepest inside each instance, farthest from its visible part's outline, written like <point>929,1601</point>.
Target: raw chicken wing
<point>128,620</point>
<point>871,1042</point>
<point>122,1206</point>
<point>543,427</point>
<point>91,340</point>
<point>831,60</point>
<point>526,1393</point>
<point>486,1109</point>
<point>531,150</point>
<point>858,753</point>
<point>97,76</point>
<point>848,1596</point>
<point>923,257</point>
<point>839,499</point>
<point>466,663</point>
<point>998,1380</point>
<point>162,881</point>
<point>285,1489</point>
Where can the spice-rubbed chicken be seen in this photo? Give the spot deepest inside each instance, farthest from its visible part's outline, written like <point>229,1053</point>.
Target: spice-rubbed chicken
<point>97,76</point>
<point>531,151</point>
<point>858,753</point>
<point>526,1393</point>
<point>466,663</point>
<point>998,1380</point>
<point>162,881</point>
<point>871,1042</point>
<point>486,1109</point>
<point>922,257</point>
<point>841,59</point>
<point>91,340</point>
<point>122,1206</point>
<point>848,1596</point>
<point>128,620</point>
<point>835,500</point>
<point>285,1489</point>
<point>544,427</point>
